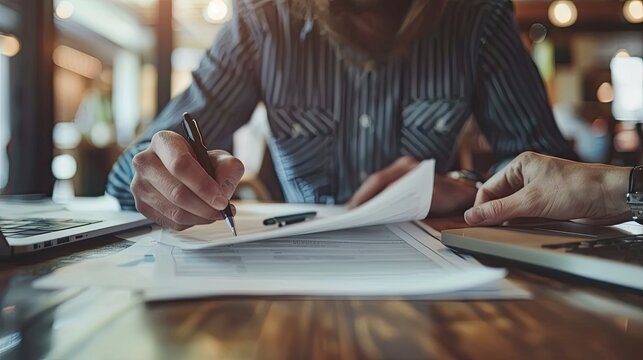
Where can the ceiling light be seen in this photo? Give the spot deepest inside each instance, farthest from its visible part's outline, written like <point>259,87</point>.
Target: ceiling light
<point>64,10</point>
<point>216,12</point>
<point>633,11</point>
<point>563,13</point>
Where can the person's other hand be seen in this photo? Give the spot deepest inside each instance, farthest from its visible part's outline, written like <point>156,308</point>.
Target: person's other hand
<point>535,185</point>
<point>448,195</point>
<point>379,180</point>
<point>451,195</point>
<point>172,189</point>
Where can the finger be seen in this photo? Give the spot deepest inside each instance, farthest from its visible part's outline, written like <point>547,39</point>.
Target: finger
<point>176,155</point>
<point>381,179</point>
<point>504,183</point>
<point>497,211</point>
<point>228,170</point>
<point>176,212</point>
<point>167,186</point>
<point>148,195</point>
<point>157,217</point>
<point>172,212</point>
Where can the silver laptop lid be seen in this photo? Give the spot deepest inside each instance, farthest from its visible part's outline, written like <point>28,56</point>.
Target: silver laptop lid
<point>49,229</point>
<point>610,254</point>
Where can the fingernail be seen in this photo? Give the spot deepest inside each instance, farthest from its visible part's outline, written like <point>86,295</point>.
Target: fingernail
<point>228,187</point>
<point>220,202</point>
<point>473,216</point>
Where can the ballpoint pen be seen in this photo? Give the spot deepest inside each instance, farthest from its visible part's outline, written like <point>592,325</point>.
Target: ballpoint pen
<point>289,219</point>
<point>194,138</point>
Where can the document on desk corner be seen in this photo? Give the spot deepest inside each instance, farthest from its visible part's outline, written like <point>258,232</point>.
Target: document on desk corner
<point>409,198</point>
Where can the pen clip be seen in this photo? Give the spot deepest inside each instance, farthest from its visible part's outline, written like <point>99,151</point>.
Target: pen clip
<point>193,135</point>
<point>192,129</point>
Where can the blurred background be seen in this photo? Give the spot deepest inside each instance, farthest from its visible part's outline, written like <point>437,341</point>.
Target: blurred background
<point>80,78</point>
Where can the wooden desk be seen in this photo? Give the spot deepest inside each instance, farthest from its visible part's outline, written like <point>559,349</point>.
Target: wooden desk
<point>567,318</point>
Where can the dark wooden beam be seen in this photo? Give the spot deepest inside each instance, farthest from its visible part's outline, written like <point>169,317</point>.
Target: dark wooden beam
<point>164,47</point>
<point>32,112</point>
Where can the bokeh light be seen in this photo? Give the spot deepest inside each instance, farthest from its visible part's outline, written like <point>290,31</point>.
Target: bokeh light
<point>537,32</point>
<point>64,167</point>
<point>77,61</point>
<point>622,53</point>
<point>563,13</point>
<point>102,135</point>
<point>66,136</point>
<point>633,11</point>
<point>9,45</point>
<point>64,10</point>
<point>216,12</point>
<point>605,93</point>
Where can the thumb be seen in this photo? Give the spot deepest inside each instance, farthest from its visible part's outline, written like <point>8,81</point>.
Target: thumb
<point>497,211</point>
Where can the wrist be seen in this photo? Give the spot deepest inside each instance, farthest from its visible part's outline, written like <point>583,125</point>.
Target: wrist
<point>615,186</point>
<point>467,177</point>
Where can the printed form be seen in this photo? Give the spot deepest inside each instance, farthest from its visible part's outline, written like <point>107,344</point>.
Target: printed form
<point>399,260</point>
<point>383,260</point>
<point>369,251</point>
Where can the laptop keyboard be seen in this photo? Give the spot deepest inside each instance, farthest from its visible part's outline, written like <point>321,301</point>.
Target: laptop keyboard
<point>627,248</point>
<point>21,228</point>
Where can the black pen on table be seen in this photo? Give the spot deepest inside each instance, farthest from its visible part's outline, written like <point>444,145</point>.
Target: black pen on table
<point>284,220</point>
<point>194,138</point>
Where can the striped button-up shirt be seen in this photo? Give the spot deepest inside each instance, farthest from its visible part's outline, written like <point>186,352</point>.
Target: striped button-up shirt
<point>332,123</point>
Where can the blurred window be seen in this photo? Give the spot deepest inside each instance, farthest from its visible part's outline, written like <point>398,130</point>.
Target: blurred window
<point>627,75</point>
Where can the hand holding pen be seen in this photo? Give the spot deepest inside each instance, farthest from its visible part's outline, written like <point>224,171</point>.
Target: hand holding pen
<point>173,189</point>
<point>194,138</point>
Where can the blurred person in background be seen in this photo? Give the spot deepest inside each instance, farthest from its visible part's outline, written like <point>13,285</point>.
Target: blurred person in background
<point>357,92</point>
<point>591,140</point>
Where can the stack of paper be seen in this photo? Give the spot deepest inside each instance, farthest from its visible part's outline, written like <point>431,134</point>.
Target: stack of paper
<point>407,199</point>
<point>398,260</point>
<point>370,251</point>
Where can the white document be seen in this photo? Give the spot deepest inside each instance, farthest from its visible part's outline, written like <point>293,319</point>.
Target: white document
<point>409,198</point>
<point>385,260</point>
<point>398,260</point>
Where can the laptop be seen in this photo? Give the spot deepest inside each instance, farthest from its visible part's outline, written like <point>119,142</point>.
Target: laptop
<point>610,254</point>
<point>26,228</point>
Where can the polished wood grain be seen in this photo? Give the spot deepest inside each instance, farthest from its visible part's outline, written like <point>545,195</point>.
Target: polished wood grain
<point>567,318</point>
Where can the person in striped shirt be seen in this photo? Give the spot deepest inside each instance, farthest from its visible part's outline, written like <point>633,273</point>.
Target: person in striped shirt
<point>356,91</point>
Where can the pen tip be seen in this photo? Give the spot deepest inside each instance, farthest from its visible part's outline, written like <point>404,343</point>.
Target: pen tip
<point>229,220</point>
